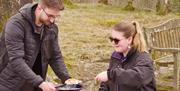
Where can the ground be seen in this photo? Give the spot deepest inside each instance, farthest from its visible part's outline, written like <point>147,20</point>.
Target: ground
<point>84,38</point>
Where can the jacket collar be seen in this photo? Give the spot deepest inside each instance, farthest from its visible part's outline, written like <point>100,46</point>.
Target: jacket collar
<point>119,56</point>
<point>28,12</point>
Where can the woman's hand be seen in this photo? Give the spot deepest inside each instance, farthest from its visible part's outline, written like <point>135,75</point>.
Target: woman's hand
<point>102,77</point>
<point>47,86</point>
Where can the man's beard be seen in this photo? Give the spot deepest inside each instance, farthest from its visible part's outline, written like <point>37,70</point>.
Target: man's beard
<point>47,22</point>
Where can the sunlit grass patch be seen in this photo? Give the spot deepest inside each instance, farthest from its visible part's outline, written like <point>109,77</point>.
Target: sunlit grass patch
<point>164,88</point>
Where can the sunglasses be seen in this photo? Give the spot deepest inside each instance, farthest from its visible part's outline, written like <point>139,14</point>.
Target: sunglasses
<point>116,41</point>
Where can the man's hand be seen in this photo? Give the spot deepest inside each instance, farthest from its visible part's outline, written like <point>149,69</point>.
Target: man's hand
<point>47,86</point>
<point>73,81</point>
<point>102,77</point>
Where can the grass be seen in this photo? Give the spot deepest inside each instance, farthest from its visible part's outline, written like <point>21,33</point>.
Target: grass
<point>4,18</point>
<point>164,88</point>
<point>84,36</point>
<point>84,28</point>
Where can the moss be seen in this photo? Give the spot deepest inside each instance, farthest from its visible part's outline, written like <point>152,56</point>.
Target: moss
<point>162,9</point>
<point>129,6</point>
<point>109,22</point>
<point>164,88</point>
<point>175,5</point>
<point>3,18</point>
<point>161,12</point>
<point>178,14</point>
<point>69,4</point>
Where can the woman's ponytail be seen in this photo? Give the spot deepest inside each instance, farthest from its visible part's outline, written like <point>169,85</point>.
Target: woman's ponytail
<point>138,38</point>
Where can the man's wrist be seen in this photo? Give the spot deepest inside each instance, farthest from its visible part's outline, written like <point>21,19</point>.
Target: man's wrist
<point>41,84</point>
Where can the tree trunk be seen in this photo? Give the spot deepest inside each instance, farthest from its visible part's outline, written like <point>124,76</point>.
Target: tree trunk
<point>103,2</point>
<point>8,8</point>
<point>163,7</point>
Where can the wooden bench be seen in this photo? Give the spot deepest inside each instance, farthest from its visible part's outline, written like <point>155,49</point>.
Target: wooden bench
<point>163,40</point>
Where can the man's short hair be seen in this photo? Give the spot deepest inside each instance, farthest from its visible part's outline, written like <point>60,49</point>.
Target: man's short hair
<point>55,4</point>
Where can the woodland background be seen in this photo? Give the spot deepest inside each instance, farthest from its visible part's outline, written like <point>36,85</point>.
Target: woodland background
<point>84,31</point>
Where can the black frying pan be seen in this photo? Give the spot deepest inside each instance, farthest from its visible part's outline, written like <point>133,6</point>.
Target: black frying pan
<point>69,87</point>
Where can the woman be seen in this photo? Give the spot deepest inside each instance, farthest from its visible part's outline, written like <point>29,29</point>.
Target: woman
<point>130,68</point>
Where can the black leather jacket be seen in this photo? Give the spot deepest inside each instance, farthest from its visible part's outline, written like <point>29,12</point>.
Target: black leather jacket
<point>133,73</point>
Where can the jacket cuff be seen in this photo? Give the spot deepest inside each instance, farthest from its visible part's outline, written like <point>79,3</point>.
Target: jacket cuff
<point>66,78</point>
<point>38,81</point>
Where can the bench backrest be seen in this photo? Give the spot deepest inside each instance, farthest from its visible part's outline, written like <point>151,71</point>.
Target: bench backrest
<point>164,37</point>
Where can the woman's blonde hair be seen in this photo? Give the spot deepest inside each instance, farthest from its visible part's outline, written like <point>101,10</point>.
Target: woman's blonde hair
<point>132,29</point>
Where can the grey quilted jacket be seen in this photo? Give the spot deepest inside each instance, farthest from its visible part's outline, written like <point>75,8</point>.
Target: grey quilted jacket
<point>19,47</point>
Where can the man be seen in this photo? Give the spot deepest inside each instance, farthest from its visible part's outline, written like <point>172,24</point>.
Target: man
<point>29,43</point>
